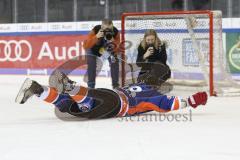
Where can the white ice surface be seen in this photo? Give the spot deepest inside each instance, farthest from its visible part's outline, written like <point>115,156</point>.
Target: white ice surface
<point>32,132</point>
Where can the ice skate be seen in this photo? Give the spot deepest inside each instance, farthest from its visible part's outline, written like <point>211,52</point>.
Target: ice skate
<point>28,89</point>
<point>61,82</point>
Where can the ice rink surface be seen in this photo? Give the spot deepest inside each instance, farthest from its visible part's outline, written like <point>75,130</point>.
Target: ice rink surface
<point>33,132</point>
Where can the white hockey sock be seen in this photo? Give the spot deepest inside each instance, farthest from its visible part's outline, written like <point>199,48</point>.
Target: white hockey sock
<point>45,93</point>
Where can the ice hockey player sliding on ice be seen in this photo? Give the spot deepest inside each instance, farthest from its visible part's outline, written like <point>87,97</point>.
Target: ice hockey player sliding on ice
<point>89,103</point>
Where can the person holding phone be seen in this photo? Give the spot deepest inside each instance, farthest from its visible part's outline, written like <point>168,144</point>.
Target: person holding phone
<point>152,58</point>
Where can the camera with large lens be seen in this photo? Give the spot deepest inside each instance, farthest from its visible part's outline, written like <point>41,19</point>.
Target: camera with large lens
<point>108,34</point>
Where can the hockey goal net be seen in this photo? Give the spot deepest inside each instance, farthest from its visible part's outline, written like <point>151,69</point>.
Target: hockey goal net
<point>194,48</point>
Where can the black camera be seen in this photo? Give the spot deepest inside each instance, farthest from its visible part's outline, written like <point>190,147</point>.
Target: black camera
<point>108,34</point>
<point>150,45</point>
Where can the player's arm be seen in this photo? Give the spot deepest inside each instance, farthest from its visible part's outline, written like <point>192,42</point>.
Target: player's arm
<point>193,101</point>
<point>166,104</point>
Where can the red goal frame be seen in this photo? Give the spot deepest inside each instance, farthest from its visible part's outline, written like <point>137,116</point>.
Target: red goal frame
<point>206,12</point>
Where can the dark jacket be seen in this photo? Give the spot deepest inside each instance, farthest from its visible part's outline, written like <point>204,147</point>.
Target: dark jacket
<point>95,44</point>
<point>154,69</point>
<point>159,56</point>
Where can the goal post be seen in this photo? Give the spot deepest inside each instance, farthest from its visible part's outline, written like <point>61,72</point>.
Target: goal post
<point>194,47</point>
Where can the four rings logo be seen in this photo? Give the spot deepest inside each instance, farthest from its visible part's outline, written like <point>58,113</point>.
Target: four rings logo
<point>15,50</point>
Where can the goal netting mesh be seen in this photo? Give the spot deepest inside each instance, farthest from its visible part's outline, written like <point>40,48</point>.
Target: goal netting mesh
<point>194,44</point>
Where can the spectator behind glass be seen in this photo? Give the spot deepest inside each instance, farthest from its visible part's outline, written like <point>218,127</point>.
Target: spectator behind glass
<point>152,58</point>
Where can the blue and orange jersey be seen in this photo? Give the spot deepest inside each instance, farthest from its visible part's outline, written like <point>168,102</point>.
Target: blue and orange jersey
<point>79,95</point>
<point>143,98</point>
<point>135,99</point>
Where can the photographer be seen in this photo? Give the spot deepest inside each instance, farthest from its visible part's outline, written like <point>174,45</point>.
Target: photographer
<point>152,58</point>
<point>103,41</point>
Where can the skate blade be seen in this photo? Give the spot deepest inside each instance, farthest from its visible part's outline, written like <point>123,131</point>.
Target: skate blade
<point>26,85</point>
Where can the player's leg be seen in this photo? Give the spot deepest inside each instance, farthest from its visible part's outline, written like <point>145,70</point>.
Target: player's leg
<point>63,84</point>
<point>107,102</point>
<point>31,88</point>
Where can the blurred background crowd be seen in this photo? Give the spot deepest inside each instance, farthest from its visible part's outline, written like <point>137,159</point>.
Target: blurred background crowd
<point>27,11</point>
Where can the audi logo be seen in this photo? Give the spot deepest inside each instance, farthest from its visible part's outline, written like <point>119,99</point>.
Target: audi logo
<point>15,50</point>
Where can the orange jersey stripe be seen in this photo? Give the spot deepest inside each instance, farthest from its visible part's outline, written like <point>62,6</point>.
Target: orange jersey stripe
<point>51,96</point>
<point>81,95</point>
<point>143,107</point>
<point>176,104</point>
